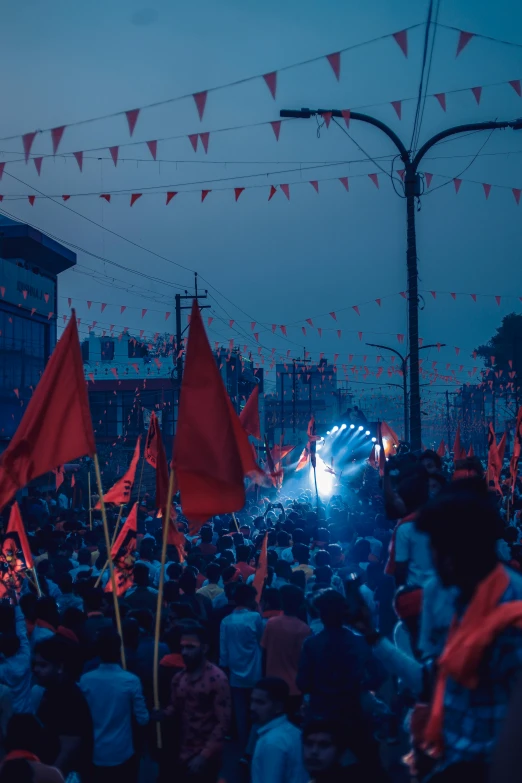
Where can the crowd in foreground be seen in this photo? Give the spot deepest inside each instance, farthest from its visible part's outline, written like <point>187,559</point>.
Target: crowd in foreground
<point>387,619</point>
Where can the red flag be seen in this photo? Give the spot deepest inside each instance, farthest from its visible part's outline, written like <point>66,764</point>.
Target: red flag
<point>271,82</point>
<point>206,459</point>
<point>204,137</point>
<point>303,459</point>
<point>477,92</point>
<point>471,452</point>
<point>516,84</point>
<point>122,554</point>
<point>464,39</point>
<point>335,62</point>
<point>120,492</point>
<point>16,527</point>
<point>262,568</point>
<point>457,448</point>
<point>441,451</point>
<point>249,416</point>
<point>59,474</point>
<point>502,449</point>
<point>441,97</point>
<point>56,427</point>
<point>56,136</point>
<point>402,40</point>
<point>114,154</point>
<point>397,105</point>
<point>132,118</point>
<point>487,189</point>
<point>494,463</point>
<point>517,450</point>
<point>315,184</point>
<point>286,191</point>
<point>276,127</point>
<point>200,99</point>
<point>153,148</point>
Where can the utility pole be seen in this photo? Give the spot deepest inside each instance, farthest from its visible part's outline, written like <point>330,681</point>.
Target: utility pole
<point>412,185</point>
<point>448,420</point>
<point>294,389</point>
<point>404,370</point>
<point>178,357</point>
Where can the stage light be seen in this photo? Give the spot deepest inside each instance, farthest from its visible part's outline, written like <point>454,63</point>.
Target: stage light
<point>328,432</point>
<point>343,427</point>
<point>360,429</point>
<point>325,479</point>
<point>374,440</point>
<point>335,429</point>
<point>367,432</point>
<point>352,426</point>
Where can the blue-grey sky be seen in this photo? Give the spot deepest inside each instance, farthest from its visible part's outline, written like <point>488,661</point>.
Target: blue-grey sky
<point>279,261</point>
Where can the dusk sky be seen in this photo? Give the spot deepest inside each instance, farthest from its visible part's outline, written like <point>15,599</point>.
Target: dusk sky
<point>275,261</point>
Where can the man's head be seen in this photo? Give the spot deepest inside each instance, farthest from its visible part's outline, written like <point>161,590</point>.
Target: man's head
<point>93,599</point>
<point>283,570</point>
<point>463,527</point>
<point>283,539</point>
<point>141,575</point>
<point>108,646</point>
<point>242,553</point>
<point>413,491</point>
<point>292,598</point>
<point>269,700</point>
<point>430,461</point>
<point>332,608</point>
<point>323,747</point>
<point>206,534</point>
<point>213,573</point>
<point>193,645</point>
<point>53,660</point>
<point>436,482</point>
<point>245,596</point>
<point>84,557</point>
<point>188,582</point>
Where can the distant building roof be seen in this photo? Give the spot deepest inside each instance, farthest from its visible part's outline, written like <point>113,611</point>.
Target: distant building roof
<point>19,240</point>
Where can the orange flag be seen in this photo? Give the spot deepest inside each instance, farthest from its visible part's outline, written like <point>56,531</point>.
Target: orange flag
<point>304,459</point>
<point>441,451</point>
<point>502,449</point>
<point>262,568</point>
<point>16,529</point>
<point>121,491</point>
<point>471,452</point>
<point>122,554</point>
<point>249,416</point>
<point>494,464</point>
<point>207,459</point>
<point>156,457</point>
<point>517,450</point>
<point>56,427</point>
<point>390,439</point>
<point>60,476</point>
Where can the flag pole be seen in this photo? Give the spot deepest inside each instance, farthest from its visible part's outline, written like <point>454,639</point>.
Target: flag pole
<point>112,544</point>
<point>166,524</point>
<point>316,492</point>
<point>37,582</point>
<point>90,497</point>
<point>141,475</point>
<point>235,521</point>
<point>111,565</point>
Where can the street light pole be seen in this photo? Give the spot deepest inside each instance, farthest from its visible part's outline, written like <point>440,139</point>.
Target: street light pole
<point>412,190</point>
<point>404,369</point>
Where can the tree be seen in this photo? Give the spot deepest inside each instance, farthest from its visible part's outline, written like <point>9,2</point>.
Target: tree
<point>504,350</point>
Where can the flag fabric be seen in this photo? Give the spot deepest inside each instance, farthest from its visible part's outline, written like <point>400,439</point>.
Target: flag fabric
<point>312,440</point>
<point>517,450</point>
<point>262,568</point>
<point>56,427</point>
<point>372,459</point>
<point>280,452</point>
<point>16,529</point>
<point>249,416</point>
<point>382,452</point>
<point>502,449</point>
<point>156,457</point>
<point>471,452</point>
<point>207,460</point>
<point>494,464</point>
<point>120,492</point>
<point>122,554</point>
<point>59,474</point>
<point>441,451</point>
<point>151,444</point>
<point>304,459</point>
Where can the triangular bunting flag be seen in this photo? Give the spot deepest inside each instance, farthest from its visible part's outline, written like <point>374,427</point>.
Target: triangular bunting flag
<point>378,302</point>
<point>497,300</point>
<point>487,189</point>
<point>429,177</point>
<point>79,159</point>
<point>273,191</point>
<point>200,99</point>
<point>38,164</point>
<point>457,182</point>
<point>114,154</point>
<point>276,127</point>
<point>56,137</point>
<point>516,193</point>
<point>356,308</point>
<point>464,39</point>
<point>516,84</point>
<point>327,117</point>
<point>375,179</point>
<point>315,185</point>
<point>153,148</point>
<point>477,92</point>
<point>397,105</point>
<point>346,116</point>
<point>106,196</point>
<point>271,82</point>
<point>335,62</point>
<point>204,194</point>
<point>27,140</point>
<point>193,138</point>
<point>441,97</point>
<point>344,182</point>
<point>204,140</point>
<point>170,196</point>
<point>132,118</point>
<point>135,197</point>
<point>402,40</point>
<point>2,167</point>
<point>238,192</point>
<point>286,191</point>
<point>31,200</point>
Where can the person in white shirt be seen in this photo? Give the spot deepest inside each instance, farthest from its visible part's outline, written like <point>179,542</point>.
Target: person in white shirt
<point>240,653</point>
<point>278,754</point>
<point>115,698</point>
<point>84,565</point>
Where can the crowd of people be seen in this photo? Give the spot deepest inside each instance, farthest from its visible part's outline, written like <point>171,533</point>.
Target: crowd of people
<point>384,642</point>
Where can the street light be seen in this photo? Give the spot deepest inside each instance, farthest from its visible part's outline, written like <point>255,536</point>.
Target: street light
<point>404,370</point>
<point>412,190</point>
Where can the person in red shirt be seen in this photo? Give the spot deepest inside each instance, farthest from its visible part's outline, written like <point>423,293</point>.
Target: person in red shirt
<point>242,557</point>
<point>206,547</point>
<point>282,642</point>
<point>201,705</point>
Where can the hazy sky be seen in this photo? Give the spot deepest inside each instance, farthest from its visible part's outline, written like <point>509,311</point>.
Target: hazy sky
<point>280,262</point>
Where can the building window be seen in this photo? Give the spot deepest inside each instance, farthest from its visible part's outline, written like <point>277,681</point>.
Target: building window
<point>107,350</point>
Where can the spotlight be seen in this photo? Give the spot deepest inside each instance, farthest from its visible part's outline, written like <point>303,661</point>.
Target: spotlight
<point>328,432</point>
<point>360,429</point>
<point>374,440</point>
<point>343,427</point>
<point>352,426</point>
<point>367,432</point>
<point>335,429</point>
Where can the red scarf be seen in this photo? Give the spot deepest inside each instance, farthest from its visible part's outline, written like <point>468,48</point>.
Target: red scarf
<point>390,565</point>
<point>173,661</point>
<point>484,619</point>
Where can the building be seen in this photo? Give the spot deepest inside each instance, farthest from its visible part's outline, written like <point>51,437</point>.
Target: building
<point>301,390</point>
<point>30,263</point>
